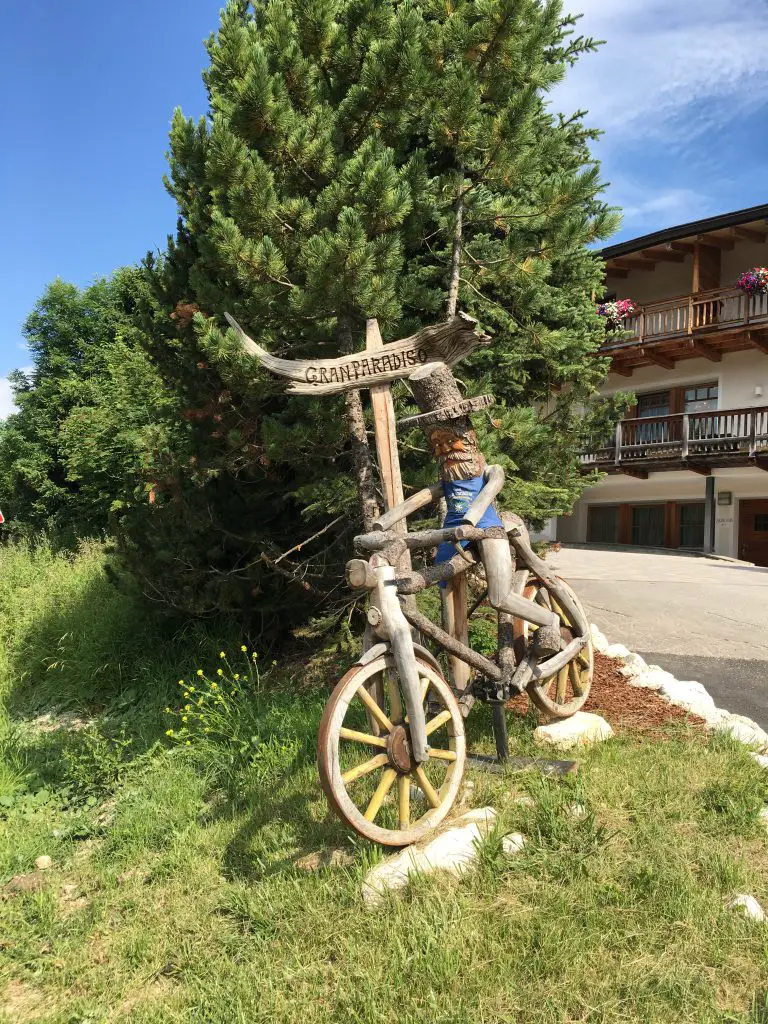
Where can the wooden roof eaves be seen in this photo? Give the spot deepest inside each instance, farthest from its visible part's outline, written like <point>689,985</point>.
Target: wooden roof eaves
<point>682,231</point>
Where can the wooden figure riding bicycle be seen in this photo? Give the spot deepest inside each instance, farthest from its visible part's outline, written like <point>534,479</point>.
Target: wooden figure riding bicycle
<point>392,748</point>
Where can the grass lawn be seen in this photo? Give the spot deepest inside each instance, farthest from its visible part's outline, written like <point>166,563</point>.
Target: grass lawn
<point>174,894</point>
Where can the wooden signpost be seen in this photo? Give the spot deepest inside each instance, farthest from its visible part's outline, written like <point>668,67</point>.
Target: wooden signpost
<point>376,368</point>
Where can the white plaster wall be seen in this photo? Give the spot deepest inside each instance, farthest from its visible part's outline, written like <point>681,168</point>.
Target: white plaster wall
<point>548,532</point>
<point>743,482</point>
<point>737,374</point>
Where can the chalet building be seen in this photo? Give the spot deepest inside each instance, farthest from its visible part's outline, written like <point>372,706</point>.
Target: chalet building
<point>688,467</point>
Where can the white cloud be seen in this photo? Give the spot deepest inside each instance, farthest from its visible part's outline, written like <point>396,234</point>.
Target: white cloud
<point>6,398</point>
<point>668,71</point>
<point>668,206</point>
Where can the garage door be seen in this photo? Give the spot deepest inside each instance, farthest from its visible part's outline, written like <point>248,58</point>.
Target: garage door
<point>753,530</point>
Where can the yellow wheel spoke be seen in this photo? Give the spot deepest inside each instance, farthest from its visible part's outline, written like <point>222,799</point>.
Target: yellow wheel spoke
<point>362,737</point>
<point>426,786</point>
<point>395,703</point>
<point>425,684</point>
<point>404,801</point>
<point>364,769</point>
<point>374,708</point>
<point>437,721</point>
<point>442,755</point>
<point>563,617</point>
<point>384,786</point>
<point>562,683</point>
<point>573,671</point>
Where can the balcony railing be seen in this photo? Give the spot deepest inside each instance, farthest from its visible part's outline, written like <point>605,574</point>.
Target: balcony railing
<point>718,309</point>
<point>684,436</point>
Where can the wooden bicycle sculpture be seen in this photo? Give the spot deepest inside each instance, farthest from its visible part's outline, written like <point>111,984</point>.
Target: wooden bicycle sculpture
<point>392,746</point>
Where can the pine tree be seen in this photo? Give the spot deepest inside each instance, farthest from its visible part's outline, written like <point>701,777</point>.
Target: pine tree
<point>363,159</point>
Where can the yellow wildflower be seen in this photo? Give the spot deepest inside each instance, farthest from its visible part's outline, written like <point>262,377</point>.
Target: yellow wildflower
<point>189,743</point>
<point>219,671</point>
<point>237,675</point>
<point>186,693</point>
<point>181,682</point>
<point>243,648</point>
<point>222,654</point>
<point>199,671</point>
<point>169,732</point>
<point>184,718</point>
<point>254,655</point>
<point>214,686</point>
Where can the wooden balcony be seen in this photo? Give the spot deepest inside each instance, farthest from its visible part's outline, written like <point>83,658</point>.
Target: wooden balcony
<point>701,324</point>
<point>699,441</point>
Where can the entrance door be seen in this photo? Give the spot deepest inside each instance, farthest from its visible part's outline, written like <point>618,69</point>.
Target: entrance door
<point>692,525</point>
<point>753,530</point>
<point>603,524</point>
<point>648,525</point>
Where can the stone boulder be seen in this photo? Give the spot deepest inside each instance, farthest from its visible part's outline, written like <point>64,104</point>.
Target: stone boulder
<point>580,730</point>
<point>453,850</point>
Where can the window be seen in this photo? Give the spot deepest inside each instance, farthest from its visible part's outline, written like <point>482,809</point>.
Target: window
<point>761,522</point>
<point>648,525</point>
<point>702,398</point>
<point>692,525</point>
<point>656,404</point>
<point>603,524</point>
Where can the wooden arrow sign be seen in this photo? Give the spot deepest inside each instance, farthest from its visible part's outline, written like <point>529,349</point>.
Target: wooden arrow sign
<point>447,342</point>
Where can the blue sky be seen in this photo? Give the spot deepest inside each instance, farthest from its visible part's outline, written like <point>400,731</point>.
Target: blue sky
<point>680,91</point>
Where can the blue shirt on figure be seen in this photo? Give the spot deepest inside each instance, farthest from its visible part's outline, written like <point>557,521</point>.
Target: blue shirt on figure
<point>459,495</point>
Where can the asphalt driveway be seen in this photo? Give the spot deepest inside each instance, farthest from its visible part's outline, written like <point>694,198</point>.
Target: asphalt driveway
<point>696,617</point>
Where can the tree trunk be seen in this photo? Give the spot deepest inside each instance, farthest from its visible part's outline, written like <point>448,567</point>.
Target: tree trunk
<point>458,225</point>
<point>361,452</point>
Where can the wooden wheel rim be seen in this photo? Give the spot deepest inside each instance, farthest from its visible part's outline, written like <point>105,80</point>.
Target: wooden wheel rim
<point>538,690</point>
<point>330,768</point>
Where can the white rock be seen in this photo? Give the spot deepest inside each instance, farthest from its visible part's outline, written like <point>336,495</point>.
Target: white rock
<point>481,815</point>
<point>761,759</point>
<point>43,863</point>
<point>745,731</point>
<point>749,906</point>
<point>513,843</point>
<point>679,689</point>
<point>522,799</point>
<point>633,665</point>
<point>453,850</point>
<point>579,730</point>
<point>599,641</point>
<point>576,810</point>
<point>616,651</point>
<point>652,679</point>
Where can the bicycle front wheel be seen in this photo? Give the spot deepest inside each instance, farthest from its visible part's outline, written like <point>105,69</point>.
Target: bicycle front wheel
<point>364,754</point>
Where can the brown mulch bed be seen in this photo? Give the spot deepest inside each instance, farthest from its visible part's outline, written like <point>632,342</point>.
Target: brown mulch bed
<point>625,707</point>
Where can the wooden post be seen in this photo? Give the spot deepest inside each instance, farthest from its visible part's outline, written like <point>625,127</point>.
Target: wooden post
<point>686,434</point>
<point>386,441</point>
<point>455,612</point>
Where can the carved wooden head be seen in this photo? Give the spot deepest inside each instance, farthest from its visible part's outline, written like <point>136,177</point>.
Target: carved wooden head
<point>454,446</point>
